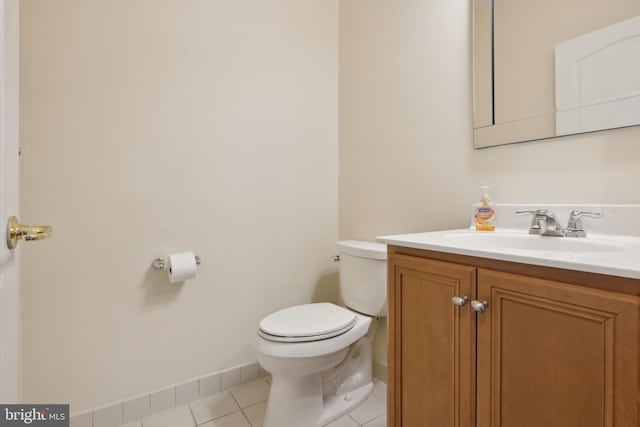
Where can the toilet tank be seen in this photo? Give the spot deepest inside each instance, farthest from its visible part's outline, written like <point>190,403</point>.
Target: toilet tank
<point>363,276</point>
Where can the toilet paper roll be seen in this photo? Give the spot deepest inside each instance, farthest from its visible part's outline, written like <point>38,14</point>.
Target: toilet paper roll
<point>182,267</point>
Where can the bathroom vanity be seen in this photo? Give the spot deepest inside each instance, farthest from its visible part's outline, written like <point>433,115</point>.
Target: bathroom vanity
<point>514,330</point>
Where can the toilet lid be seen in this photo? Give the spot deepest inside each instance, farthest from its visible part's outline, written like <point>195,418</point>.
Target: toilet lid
<point>308,322</point>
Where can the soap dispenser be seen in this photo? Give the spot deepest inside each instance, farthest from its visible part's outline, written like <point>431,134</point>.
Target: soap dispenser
<point>485,215</point>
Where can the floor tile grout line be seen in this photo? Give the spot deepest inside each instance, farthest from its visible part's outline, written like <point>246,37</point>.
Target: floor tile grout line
<point>235,400</point>
<point>195,422</point>
<point>354,420</point>
<point>241,408</point>
<point>246,417</point>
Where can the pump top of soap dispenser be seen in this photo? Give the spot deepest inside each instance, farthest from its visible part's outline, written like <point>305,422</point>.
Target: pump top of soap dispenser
<point>485,194</point>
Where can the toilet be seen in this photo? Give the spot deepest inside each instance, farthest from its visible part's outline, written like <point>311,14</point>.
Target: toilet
<point>319,355</point>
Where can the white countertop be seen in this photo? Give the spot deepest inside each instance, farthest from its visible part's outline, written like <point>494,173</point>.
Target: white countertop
<point>602,252</point>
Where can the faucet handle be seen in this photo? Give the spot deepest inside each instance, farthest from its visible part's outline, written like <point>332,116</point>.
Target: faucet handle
<point>578,214</point>
<point>534,228</point>
<point>536,212</point>
<point>575,227</point>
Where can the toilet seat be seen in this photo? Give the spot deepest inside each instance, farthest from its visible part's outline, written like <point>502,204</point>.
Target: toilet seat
<point>308,322</point>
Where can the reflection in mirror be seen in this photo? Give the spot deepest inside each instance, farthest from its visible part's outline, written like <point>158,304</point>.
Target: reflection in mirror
<point>547,68</point>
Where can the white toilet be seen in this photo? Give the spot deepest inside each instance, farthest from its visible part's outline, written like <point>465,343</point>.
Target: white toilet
<point>318,355</point>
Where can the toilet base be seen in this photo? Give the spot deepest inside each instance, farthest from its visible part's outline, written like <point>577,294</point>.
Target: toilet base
<point>297,402</point>
<point>317,399</point>
<point>338,406</point>
<point>294,402</point>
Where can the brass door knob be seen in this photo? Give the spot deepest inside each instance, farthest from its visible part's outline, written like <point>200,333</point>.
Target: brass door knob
<point>16,232</point>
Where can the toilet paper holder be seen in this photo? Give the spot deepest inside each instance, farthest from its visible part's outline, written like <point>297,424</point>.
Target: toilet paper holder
<point>161,264</point>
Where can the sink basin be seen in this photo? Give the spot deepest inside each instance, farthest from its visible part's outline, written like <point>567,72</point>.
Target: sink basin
<point>612,245</point>
<point>505,240</point>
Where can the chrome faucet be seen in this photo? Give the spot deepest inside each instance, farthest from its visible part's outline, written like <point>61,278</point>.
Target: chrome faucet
<point>543,223</point>
<point>574,225</point>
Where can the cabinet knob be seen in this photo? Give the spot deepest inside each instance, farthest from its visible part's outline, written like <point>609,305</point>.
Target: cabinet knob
<point>459,301</point>
<point>479,306</point>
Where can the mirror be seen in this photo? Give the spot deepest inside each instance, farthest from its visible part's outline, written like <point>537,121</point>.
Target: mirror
<point>548,68</point>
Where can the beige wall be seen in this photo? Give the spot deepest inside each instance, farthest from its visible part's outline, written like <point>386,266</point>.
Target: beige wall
<point>406,157</point>
<point>158,126</point>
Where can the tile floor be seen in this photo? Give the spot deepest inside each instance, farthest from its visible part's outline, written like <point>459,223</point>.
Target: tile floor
<point>244,406</point>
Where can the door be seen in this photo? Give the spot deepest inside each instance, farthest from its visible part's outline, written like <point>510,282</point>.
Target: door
<point>555,355</point>
<point>9,284</point>
<point>598,79</point>
<point>432,344</point>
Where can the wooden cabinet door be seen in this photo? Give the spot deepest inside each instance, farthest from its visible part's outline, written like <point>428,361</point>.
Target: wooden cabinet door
<point>431,344</point>
<point>555,355</point>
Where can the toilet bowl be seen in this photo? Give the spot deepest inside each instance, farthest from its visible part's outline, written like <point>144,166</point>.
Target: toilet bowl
<point>319,355</point>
